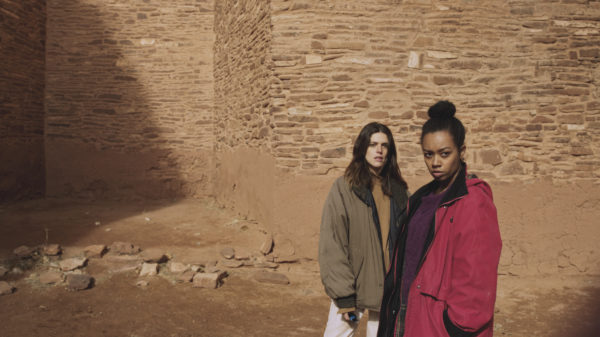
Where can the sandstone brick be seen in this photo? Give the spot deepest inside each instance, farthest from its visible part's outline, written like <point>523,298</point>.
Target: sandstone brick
<point>208,280</point>
<point>490,156</point>
<point>339,152</point>
<point>570,118</point>
<point>95,251</point>
<point>445,80</point>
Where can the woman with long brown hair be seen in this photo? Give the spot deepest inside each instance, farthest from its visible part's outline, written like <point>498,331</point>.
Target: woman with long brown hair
<point>360,221</point>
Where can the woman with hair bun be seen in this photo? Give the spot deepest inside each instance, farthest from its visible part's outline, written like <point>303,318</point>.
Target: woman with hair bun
<point>443,273</point>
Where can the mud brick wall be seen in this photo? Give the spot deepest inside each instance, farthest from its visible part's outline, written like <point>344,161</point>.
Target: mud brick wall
<point>129,98</point>
<point>523,75</point>
<point>243,122</point>
<point>22,40</point>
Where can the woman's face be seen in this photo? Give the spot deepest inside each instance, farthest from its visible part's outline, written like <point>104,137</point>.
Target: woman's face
<point>442,157</point>
<point>377,151</point>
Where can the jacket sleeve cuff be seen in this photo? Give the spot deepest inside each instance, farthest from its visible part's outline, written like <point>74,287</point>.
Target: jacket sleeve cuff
<point>345,302</point>
<point>453,330</point>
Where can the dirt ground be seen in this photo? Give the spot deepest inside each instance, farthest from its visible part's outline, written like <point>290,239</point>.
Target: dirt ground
<point>190,231</point>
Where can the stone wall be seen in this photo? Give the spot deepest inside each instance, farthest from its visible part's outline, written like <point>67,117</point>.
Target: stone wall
<point>243,122</point>
<point>129,98</point>
<point>522,74</point>
<point>22,41</point>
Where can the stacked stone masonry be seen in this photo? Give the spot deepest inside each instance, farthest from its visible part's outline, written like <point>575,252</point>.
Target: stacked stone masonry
<point>22,35</point>
<point>243,74</point>
<point>523,75</point>
<point>129,82</point>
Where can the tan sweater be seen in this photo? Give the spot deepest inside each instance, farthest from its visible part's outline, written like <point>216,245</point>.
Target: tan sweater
<point>382,202</point>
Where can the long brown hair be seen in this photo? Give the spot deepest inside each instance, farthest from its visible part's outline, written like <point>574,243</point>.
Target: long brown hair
<point>358,174</point>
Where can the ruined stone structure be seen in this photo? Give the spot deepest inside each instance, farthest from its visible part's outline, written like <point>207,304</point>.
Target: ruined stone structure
<point>22,35</point>
<point>257,102</point>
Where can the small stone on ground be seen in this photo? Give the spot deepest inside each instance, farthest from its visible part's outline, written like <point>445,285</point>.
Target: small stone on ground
<point>6,288</point>
<point>154,255</point>
<point>271,277</point>
<point>124,248</point>
<point>79,281</point>
<point>51,249</point>
<point>149,269</point>
<point>72,263</point>
<point>95,251</point>
<point>228,253</point>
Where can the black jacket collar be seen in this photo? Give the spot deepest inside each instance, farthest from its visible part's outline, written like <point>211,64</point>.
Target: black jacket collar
<point>456,190</point>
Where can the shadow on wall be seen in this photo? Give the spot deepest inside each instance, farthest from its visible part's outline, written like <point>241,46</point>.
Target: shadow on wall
<point>113,129</point>
<point>118,109</point>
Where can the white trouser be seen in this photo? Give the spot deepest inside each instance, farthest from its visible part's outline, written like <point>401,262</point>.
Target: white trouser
<point>338,327</point>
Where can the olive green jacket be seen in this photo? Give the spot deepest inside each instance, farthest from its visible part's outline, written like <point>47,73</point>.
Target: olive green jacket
<point>350,250</point>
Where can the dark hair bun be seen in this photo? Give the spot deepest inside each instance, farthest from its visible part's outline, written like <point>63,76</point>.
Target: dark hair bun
<point>442,109</point>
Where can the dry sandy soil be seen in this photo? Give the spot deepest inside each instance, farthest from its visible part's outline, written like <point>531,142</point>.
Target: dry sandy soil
<point>193,230</point>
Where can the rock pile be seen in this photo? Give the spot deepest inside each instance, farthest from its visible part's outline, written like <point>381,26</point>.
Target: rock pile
<point>49,266</point>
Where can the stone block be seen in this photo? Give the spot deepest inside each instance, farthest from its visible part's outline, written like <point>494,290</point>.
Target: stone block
<point>208,280</point>
<point>267,244</point>
<point>25,252</point>
<point>72,263</point>
<point>78,282</point>
<point>6,288</point>
<point>228,253</point>
<point>490,156</point>
<point>271,277</point>
<point>178,267</point>
<point>339,152</point>
<point>94,251</point>
<point>149,269</point>
<point>51,249</point>
<point>445,80</point>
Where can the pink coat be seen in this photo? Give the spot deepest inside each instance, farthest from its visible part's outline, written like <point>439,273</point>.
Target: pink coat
<point>458,275</point>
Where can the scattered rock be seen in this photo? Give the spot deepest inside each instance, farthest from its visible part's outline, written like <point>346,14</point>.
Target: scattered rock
<point>79,281</point>
<point>154,255</point>
<point>16,271</point>
<point>51,277</point>
<point>195,268</point>
<point>242,255</point>
<point>72,263</point>
<point>6,288</point>
<point>211,269</point>
<point>95,251</point>
<point>228,253</point>
<point>52,249</point>
<point>124,248</point>
<point>186,276</point>
<point>267,245</point>
<point>231,263</point>
<point>262,262</point>
<point>283,247</point>
<point>24,252</point>
<point>178,267</point>
<point>271,277</point>
<point>149,269</point>
<point>208,280</point>
<point>123,263</point>
<point>3,271</point>
<point>286,259</point>
<point>142,283</point>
